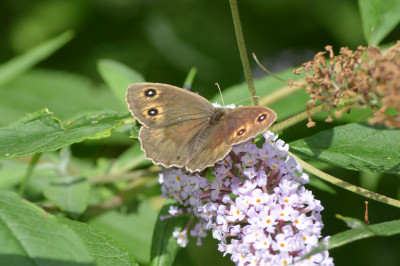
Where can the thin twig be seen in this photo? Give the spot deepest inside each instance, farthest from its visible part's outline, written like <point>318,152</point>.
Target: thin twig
<point>242,50</point>
<point>115,177</point>
<point>265,69</point>
<point>296,119</point>
<point>31,166</point>
<point>281,93</point>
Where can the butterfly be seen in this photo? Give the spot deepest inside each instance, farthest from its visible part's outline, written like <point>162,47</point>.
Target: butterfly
<point>183,129</point>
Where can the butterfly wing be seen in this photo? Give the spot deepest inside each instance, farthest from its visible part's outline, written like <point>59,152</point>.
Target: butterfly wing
<point>211,146</point>
<point>172,119</point>
<point>157,105</point>
<point>173,145</point>
<point>247,122</point>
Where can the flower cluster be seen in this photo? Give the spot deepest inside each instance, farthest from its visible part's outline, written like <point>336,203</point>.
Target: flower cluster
<point>360,78</point>
<point>255,205</point>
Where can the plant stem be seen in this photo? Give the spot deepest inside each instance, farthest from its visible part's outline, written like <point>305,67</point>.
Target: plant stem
<point>31,166</point>
<point>279,94</point>
<point>266,70</point>
<point>242,50</point>
<point>295,119</point>
<point>124,175</point>
<point>345,185</point>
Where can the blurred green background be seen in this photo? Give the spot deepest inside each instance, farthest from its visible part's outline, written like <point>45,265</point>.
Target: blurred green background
<point>162,40</point>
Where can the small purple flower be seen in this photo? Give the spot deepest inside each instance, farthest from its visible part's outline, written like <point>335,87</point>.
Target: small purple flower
<point>181,237</point>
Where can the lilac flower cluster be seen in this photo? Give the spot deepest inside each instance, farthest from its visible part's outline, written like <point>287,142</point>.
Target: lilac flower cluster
<point>256,206</point>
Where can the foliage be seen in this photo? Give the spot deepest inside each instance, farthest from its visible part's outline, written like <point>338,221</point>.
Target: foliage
<point>92,198</point>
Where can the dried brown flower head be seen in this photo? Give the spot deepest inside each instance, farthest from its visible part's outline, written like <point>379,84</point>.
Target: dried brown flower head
<point>356,79</point>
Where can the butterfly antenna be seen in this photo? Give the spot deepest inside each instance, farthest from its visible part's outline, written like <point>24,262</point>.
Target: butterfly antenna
<point>371,35</point>
<point>266,70</point>
<point>220,92</point>
<point>248,99</point>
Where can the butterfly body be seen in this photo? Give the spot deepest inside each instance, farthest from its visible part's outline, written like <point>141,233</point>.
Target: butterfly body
<point>183,129</point>
<point>217,116</point>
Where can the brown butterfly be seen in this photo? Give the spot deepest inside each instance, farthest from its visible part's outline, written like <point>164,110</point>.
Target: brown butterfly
<point>183,129</point>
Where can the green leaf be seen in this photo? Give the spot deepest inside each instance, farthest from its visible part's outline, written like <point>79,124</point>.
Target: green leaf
<point>353,222</point>
<point>354,146</point>
<point>383,229</point>
<point>382,15</point>
<point>43,21</point>
<point>135,129</point>
<point>164,245</point>
<point>132,158</point>
<point>64,93</point>
<point>70,193</point>
<point>30,236</point>
<point>118,77</point>
<point>321,185</point>
<point>27,60</point>
<point>360,231</point>
<point>133,230</point>
<point>190,77</point>
<point>103,249</point>
<point>158,27</point>
<point>42,132</point>
<point>11,173</point>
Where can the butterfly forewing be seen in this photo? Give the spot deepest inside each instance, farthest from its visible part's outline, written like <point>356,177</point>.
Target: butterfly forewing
<point>157,105</point>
